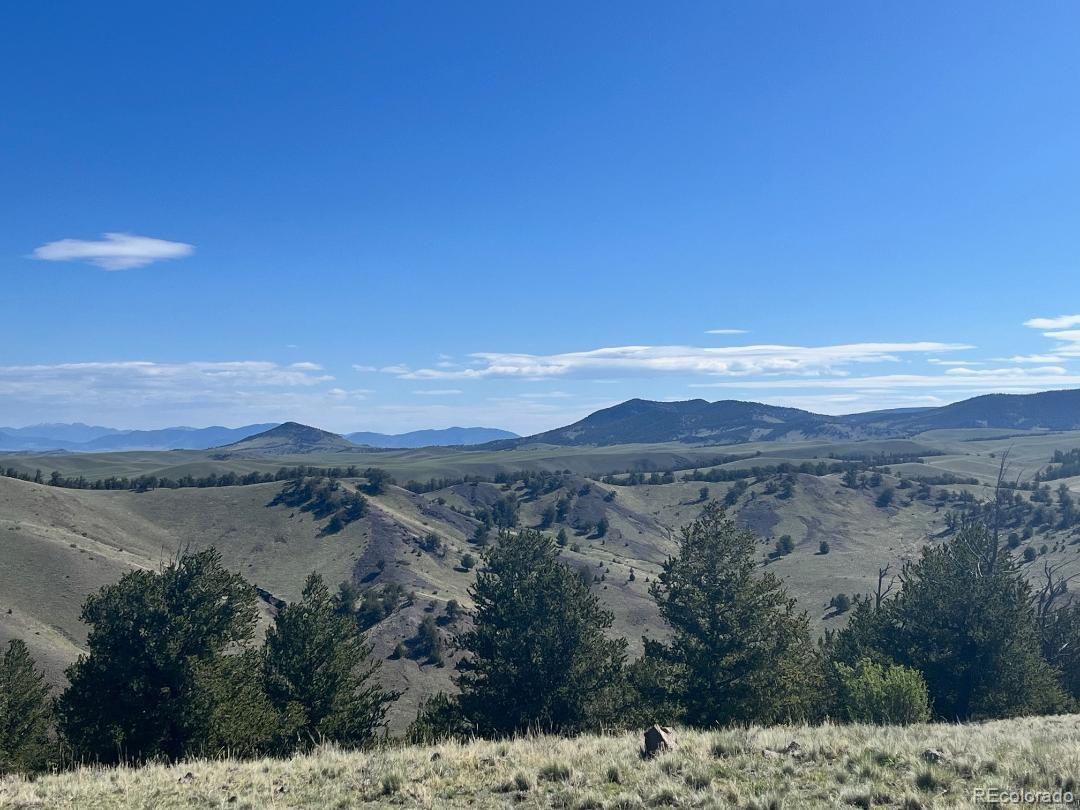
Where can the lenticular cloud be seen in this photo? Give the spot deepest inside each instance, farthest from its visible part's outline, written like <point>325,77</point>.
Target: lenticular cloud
<point>115,251</point>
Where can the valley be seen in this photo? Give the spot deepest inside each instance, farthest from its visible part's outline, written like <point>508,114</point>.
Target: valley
<point>616,508</point>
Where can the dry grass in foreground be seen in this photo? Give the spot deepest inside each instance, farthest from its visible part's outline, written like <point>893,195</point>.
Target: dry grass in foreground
<point>857,766</point>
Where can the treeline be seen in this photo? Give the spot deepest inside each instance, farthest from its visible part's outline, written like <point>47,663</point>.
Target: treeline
<point>144,483</point>
<point>1043,510</point>
<point>539,482</point>
<point>172,671</point>
<point>762,472</point>
<point>1067,464</point>
<point>535,482</point>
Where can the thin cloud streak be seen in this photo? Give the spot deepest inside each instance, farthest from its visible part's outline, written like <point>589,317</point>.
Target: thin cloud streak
<point>726,361</point>
<point>1060,322</point>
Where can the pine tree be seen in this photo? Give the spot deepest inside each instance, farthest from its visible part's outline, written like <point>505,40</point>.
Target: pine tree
<point>964,619</point>
<point>239,719</point>
<point>538,656</point>
<point>740,651</point>
<point>137,695</point>
<point>25,713</point>
<point>320,676</point>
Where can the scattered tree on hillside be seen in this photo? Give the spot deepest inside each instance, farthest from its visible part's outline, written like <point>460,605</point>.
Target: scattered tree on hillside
<point>377,480</point>
<point>547,517</point>
<point>504,512</point>
<point>784,545</point>
<point>841,603</point>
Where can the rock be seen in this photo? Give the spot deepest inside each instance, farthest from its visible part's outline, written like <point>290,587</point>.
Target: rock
<point>935,756</point>
<point>657,739</point>
<point>792,749</point>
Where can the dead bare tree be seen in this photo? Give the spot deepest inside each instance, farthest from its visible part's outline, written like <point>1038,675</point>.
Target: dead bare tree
<point>1055,586</point>
<point>882,593</point>
<point>1052,597</point>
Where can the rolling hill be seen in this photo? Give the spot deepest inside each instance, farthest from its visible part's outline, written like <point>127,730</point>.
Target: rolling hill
<point>288,439</point>
<point>695,420</point>
<point>59,545</point>
<point>734,421</point>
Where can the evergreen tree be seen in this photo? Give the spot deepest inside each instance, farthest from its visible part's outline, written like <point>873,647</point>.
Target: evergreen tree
<point>377,480</point>
<point>964,619</point>
<point>538,656</point>
<point>740,651</point>
<point>1061,646</point>
<point>25,713</point>
<point>319,674</point>
<point>138,694</point>
<point>239,718</point>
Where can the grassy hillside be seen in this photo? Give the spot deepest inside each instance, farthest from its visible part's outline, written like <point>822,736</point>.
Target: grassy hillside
<point>58,545</point>
<point>962,451</point>
<point>834,766</point>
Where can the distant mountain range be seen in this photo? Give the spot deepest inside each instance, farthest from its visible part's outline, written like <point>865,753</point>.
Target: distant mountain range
<point>81,438</point>
<point>432,438</point>
<point>292,439</point>
<point>733,421</point>
<point>633,422</point>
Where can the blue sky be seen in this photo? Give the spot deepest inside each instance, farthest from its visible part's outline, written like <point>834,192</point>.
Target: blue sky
<point>392,216</point>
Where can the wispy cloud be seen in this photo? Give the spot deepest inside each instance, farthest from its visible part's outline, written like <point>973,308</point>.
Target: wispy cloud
<point>981,380</point>
<point>726,361</point>
<point>725,331</point>
<point>1024,359</point>
<point>151,393</point>
<point>1068,342</point>
<point>547,395</point>
<point>114,251</point>
<point>1060,322</point>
